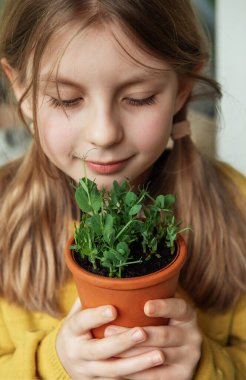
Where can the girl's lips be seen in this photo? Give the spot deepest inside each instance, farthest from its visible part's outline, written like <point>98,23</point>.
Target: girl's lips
<point>106,168</point>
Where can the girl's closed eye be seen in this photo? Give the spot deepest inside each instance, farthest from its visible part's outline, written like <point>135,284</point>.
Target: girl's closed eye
<point>67,103</point>
<point>141,102</point>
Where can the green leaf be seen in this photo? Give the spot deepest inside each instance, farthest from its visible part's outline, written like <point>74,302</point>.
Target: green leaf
<point>84,182</point>
<point>109,258</point>
<point>109,222</point>
<point>123,248</point>
<point>74,247</point>
<point>131,198</point>
<point>135,210</point>
<point>116,187</point>
<point>96,200</point>
<point>169,200</point>
<point>108,230</point>
<point>96,224</point>
<point>153,244</point>
<point>160,201</point>
<point>124,186</point>
<point>82,199</point>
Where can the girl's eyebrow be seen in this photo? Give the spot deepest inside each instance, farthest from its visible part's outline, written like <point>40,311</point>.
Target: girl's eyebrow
<point>60,81</point>
<point>145,77</point>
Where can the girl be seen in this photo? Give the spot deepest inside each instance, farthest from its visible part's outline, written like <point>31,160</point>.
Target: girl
<point>113,79</point>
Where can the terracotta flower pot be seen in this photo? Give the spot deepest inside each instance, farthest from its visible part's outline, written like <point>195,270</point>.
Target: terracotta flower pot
<point>128,295</point>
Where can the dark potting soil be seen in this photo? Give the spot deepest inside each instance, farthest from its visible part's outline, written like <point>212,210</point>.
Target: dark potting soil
<point>133,270</point>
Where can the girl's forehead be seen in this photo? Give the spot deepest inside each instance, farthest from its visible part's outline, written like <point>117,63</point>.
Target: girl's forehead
<point>73,46</point>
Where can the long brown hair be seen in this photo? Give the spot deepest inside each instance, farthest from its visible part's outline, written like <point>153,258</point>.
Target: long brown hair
<point>36,198</point>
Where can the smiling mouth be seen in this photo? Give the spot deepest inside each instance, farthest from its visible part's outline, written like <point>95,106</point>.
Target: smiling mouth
<point>107,167</point>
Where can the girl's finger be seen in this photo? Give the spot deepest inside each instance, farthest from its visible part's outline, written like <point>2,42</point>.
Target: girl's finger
<point>165,336</point>
<point>161,372</point>
<point>114,368</point>
<point>106,378</point>
<point>173,355</point>
<point>158,336</point>
<point>113,330</point>
<point>102,349</point>
<point>85,320</point>
<point>173,308</point>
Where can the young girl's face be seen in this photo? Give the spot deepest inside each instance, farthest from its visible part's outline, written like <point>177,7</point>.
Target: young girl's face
<point>118,113</point>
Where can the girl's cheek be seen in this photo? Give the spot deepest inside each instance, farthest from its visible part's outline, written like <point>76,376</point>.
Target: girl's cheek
<point>153,131</point>
<point>55,135</point>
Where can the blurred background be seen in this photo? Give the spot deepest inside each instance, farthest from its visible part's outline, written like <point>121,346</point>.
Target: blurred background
<point>220,134</point>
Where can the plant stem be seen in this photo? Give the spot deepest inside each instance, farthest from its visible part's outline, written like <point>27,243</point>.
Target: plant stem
<point>123,229</point>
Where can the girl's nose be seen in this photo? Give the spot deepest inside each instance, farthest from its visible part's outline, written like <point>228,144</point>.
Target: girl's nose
<point>104,129</point>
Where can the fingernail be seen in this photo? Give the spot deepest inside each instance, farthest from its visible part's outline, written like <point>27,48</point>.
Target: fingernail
<point>107,312</point>
<point>137,335</point>
<point>157,358</point>
<point>151,308</point>
<point>110,331</point>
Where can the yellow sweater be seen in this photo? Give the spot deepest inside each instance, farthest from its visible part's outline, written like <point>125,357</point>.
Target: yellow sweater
<point>27,340</point>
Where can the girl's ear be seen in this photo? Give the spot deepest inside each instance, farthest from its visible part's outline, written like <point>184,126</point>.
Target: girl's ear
<point>18,88</point>
<point>183,94</point>
<point>185,88</point>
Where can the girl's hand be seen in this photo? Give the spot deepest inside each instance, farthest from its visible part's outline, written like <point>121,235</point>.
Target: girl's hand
<point>179,341</point>
<point>86,358</point>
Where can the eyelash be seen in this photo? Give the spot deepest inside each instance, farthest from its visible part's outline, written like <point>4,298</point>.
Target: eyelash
<point>64,103</point>
<point>142,102</point>
<point>74,102</point>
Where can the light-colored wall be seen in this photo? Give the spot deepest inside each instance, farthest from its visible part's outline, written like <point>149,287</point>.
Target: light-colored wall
<point>231,73</point>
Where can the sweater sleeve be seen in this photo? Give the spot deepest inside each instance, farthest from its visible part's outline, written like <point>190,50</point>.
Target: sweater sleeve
<point>227,362</point>
<point>32,357</point>
<point>49,365</point>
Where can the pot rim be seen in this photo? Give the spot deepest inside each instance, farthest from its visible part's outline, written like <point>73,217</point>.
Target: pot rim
<point>151,279</point>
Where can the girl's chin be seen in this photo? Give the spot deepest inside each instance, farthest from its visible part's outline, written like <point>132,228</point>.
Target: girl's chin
<point>106,181</point>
